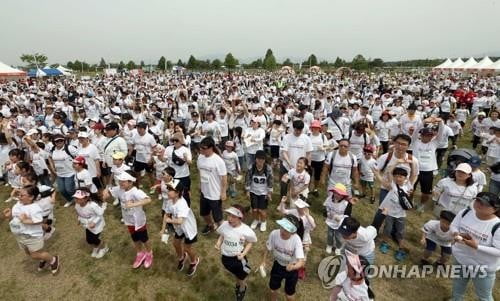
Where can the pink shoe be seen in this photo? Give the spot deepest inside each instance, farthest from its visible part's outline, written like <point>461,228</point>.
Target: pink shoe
<point>148,261</point>
<point>139,259</point>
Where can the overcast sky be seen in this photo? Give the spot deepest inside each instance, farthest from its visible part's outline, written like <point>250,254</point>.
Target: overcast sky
<point>145,30</point>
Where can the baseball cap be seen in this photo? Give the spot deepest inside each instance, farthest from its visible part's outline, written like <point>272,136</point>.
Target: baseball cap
<point>125,176</point>
<point>368,148</point>
<point>32,132</point>
<point>234,211</point>
<point>465,167</point>
<point>118,156</point>
<point>488,198</point>
<point>79,160</point>
<point>80,194</point>
<point>230,143</point>
<point>315,124</point>
<point>83,135</point>
<point>426,131</point>
<point>112,126</point>
<point>98,126</point>
<point>287,225</point>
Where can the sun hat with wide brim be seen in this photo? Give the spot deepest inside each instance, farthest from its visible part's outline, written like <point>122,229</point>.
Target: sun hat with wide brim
<point>340,189</point>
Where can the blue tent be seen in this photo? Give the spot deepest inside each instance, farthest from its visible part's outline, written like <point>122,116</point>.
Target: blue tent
<point>52,72</point>
<point>36,73</point>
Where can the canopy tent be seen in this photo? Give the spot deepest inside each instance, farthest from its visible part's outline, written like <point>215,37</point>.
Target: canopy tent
<point>65,71</point>
<point>469,63</point>
<point>456,64</point>
<point>52,72</point>
<point>36,73</point>
<point>483,64</point>
<point>110,71</point>
<point>444,64</point>
<point>7,72</point>
<point>492,68</point>
<point>287,70</point>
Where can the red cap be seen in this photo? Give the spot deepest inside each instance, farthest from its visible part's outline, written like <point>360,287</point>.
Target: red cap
<point>316,124</point>
<point>98,126</point>
<point>79,160</point>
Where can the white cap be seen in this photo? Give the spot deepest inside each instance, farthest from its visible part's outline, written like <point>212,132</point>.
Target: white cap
<point>234,211</point>
<point>83,134</point>
<point>32,132</point>
<point>125,176</point>
<point>301,204</point>
<point>465,167</point>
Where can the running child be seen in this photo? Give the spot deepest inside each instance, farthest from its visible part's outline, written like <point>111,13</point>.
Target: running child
<point>259,187</point>
<point>438,233</point>
<point>232,166</point>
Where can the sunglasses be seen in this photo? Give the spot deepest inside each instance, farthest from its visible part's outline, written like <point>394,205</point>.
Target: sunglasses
<point>174,140</point>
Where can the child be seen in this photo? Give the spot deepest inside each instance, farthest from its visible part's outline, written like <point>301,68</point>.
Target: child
<point>300,179</point>
<point>462,114</point>
<point>259,187</point>
<point>118,167</point>
<point>302,213</point>
<point>351,283</point>
<point>134,217</point>
<point>394,206</point>
<point>438,233</point>
<point>159,163</point>
<point>456,128</point>
<point>232,166</point>
<point>83,179</point>
<point>15,156</point>
<point>338,205</point>
<point>90,216</point>
<point>235,241</point>
<point>478,176</point>
<point>358,240</point>
<point>367,164</point>
<point>238,145</point>
<point>276,133</point>
<point>184,223</point>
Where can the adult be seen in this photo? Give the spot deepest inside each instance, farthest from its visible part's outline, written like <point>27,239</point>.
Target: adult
<point>179,157</point>
<point>341,166</point>
<point>143,144</point>
<point>254,140</point>
<point>114,144</point>
<point>61,167</point>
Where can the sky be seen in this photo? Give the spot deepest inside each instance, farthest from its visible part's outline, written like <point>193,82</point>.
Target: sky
<point>65,30</point>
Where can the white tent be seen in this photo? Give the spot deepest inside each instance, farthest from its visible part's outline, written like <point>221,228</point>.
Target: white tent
<point>110,71</point>
<point>64,70</point>
<point>468,64</point>
<point>483,64</point>
<point>456,64</point>
<point>493,68</point>
<point>444,65</point>
<point>7,71</point>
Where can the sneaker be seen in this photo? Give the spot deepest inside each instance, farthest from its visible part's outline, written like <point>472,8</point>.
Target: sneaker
<point>101,252</point>
<point>122,221</point>
<point>149,260</point>
<point>263,227</point>
<point>48,235</point>
<point>68,204</point>
<point>116,202</point>
<point>337,252</point>
<point>240,295</point>
<point>207,230</point>
<point>254,224</point>
<point>55,266</point>
<point>180,262</point>
<point>193,266</point>
<point>94,252</point>
<point>302,273</point>
<point>41,265</point>
<point>384,248</point>
<point>372,200</point>
<point>329,249</point>
<point>400,255</point>
<point>139,259</point>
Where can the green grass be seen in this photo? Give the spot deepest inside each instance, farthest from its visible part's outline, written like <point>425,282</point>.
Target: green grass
<point>112,278</point>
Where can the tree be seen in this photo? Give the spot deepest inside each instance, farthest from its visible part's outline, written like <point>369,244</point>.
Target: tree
<point>192,63</point>
<point>216,64</point>
<point>121,65</point>
<point>161,63</point>
<point>143,65</point>
<point>169,65</point>
<point>180,63</point>
<point>102,64</point>
<point>230,61</point>
<point>288,62</point>
<point>34,60</point>
<point>339,62</point>
<point>311,61</point>
<point>269,62</point>
<point>69,65</point>
<point>131,65</point>
<point>324,63</point>
<point>255,64</point>
<point>359,62</point>
<point>376,63</point>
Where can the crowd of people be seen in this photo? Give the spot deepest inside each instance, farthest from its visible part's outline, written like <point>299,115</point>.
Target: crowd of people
<point>384,139</point>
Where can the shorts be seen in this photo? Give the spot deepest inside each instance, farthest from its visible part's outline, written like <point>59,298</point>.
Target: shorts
<point>211,206</point>
<point>425,178</point>
<point>138,235</point>
<point>367,183</point>
<point>238,268</point>
<point>258,201</point>
<point>140,166</point>
<point>398,224</point>
<point>278,273</point>
<point>105,171</point>
<point>30,243</point>
<point>91,238</point>
<point>431,246</point>
<point>275,151</point>
<point>187,241</point>
<point>98,183</point>
<point>317,168</point>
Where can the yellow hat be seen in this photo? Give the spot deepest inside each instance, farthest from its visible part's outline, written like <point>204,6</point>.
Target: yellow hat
<point>118,156</point>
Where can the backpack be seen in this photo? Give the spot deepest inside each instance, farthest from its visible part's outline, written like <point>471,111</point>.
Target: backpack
<point>495,226</point>
<point>66,149</point>
<point>364,137</point>
<point>334,154</point>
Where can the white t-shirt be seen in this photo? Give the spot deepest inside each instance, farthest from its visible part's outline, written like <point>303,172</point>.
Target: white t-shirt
<point>319,142</point>
<point>285,251</point>
<point>454,197</point>
<point>367,167</point>
<point>32,211</point>
<point>83,179</point>
<point>300,180</point>
<point>257,135</point>
<point>433,232</point>
<point>425,153</point>
<point>180,209</point>
<point>231,161</point>
<point>296,147</point>
<point>351,291</point>
<point>63,162</point>
<point>181,171</point>
<point>117,145</point>
<point>143,146</point>
<point>116,170</point>
<point>91,154</point>
<point>212,169</point>
<point>341,168</point>
<point>235,238</point>
<point>488,252</point>
<point>134,216</point>
<point>364,243</point>
<point>391,201</point>
<point>91,213</point>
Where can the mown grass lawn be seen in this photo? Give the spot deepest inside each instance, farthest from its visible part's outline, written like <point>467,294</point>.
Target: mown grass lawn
<point>112,278</point>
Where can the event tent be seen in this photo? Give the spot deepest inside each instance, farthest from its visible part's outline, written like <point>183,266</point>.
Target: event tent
<point>65,71</point>
<point>444,65</point>
<point>492,68</point>
<point>52,72</point>
<point>7,72</point>
<point>483,64</point>
<point>469,63</point>
<point>456,64</point>
<point>36,73</point>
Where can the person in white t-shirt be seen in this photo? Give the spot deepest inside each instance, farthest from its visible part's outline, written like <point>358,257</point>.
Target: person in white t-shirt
<point>134,217</point>
<point>437,233</point>
<point>118,167</point>
<point>91,218</point>
<point>61,166</point>
<point>83,178</point>
<point>477,245</point>
<point>351,282</point>
<point>143,144</point>
<point>182,218</point>
<point>254,140</point>
<point>25,223</point>
<point>286,247</point>
<point>213,183</point>
<point>92,158</point>
<point>235,241</point>
<point>180,162</point>
<point>367,166</point>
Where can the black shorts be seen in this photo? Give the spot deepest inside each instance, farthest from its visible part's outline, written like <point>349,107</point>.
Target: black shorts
<point>139,235</point>
<point>258,201</point>
<point>187,241</point>
<point>238,268</point>
<point>431,247</point>
<point>211,206</point>
<point>317,168</point>
<point>425,178</point>
<point>98,183</point>
<point>185,182</point>
<point>278,273</point>
<point>105,171</point>
<point>275,151</point>
<point>140,166</point>
<point>92,239</point>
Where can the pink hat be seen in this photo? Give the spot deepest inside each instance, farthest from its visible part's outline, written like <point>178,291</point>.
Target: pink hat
<point>315,124</point>
<point>80,194</point>
<point>230,143</point>
<point>340,189</point>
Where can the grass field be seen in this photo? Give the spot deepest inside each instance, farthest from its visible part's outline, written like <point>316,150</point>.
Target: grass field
<point>112,278</point>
